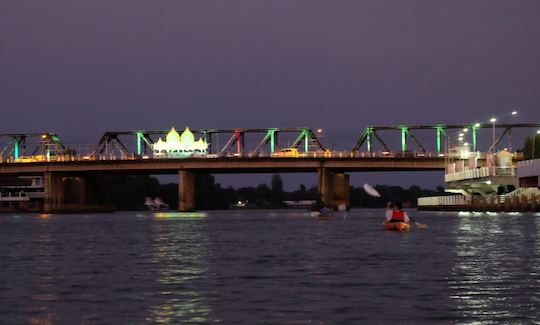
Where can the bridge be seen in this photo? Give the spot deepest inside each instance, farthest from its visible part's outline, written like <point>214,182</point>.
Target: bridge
<point>68,170</point>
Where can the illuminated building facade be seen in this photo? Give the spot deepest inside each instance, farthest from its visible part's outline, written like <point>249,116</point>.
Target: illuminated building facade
<point>180,146</point>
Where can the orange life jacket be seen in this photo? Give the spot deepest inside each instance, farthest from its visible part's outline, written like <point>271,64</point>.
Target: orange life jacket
<point>398,215</point>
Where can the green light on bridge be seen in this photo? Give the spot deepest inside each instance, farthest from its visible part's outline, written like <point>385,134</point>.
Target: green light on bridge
<point>16,149</point>
<point>440,130</point>
<point>368,138</point>
<point>139,143</point>
<point>404,131</point>
<point>474,127</point>
<point>272,133</point>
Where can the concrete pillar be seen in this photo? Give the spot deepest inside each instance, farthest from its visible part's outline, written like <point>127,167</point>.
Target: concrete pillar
<point>186,191</point>
<point>65,193</point>
<point>54,192</point>
<point>340,191</point>
<point>323,185</point>
<point>334,189</point>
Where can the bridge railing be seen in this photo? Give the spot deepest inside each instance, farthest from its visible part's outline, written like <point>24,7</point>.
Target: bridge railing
<point>311,154</point>
<point>446,200</point>
<point>480,172</point>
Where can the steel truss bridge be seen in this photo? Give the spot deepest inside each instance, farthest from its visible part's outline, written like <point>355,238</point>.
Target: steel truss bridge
<point>67,172</point>
<point>46,146</point>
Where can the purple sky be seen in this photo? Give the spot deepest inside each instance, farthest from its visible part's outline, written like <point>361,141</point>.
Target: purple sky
<point>79,68</point>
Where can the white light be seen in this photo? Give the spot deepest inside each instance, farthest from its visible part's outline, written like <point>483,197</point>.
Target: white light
<point>538,132</point>
<point>514,113</point>
<point>465,130</point>
<point>461,134</point>
<point>466,144</point>
<point>319,130</point>
<point>477,125</point>
<point>488,182</point>
<point>493,120</point>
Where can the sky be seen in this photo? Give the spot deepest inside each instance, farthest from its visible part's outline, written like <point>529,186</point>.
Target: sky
<point>80,68</point>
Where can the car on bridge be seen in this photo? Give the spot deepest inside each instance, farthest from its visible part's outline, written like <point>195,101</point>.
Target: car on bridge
<point>288,152</point>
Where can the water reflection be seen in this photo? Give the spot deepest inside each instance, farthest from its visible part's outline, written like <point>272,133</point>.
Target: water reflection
<point>489,277</point>
<point>44,269</point>
<point>242,267</point>
<point>180,215</point>
<point>181,256</point>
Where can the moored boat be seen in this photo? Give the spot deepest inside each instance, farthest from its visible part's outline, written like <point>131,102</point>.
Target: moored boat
<point>397,226</point>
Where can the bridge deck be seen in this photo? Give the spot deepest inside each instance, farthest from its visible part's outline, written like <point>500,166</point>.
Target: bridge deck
<point>228,165</point>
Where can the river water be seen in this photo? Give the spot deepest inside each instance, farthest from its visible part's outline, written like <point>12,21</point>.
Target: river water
<point>268,267</point>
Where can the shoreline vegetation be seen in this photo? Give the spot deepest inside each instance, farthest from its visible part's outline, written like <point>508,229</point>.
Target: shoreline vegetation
<point>127,193</point>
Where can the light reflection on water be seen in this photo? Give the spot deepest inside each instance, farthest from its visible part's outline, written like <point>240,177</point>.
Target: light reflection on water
<point>180,215</point>
<point>180,255</point>
<point>246,267</point>
<point>489,276</point>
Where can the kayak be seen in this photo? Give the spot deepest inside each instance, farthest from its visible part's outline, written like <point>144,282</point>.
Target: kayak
<point>397,226</point>
<point>327,217</point>
<point>321,216</point>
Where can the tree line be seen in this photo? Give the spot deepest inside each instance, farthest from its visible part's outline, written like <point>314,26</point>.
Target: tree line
<point>128,192</point>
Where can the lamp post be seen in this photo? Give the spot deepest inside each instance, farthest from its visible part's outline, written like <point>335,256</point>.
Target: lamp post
<point>534,143</point>
<point>514,113</point>
<point>493,120</point>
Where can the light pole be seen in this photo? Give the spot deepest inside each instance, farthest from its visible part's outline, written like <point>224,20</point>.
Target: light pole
<point>320,135</point>
<point>534,143</point>
<point>493,120</point>
<point>514,113</point>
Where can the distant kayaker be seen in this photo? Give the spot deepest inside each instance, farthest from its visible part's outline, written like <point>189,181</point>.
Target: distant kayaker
<point>395,213</point>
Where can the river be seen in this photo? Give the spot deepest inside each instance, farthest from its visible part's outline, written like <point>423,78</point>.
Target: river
<point>268,267</point>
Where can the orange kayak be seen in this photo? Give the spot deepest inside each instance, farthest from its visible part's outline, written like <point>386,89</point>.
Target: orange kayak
<point>397,226</point>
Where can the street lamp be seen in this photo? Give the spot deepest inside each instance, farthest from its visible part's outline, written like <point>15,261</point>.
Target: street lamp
<point>493,120</point>
<point>534,143</point>
<point>320,133</point>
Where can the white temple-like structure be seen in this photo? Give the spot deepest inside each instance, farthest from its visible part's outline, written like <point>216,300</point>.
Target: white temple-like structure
<point>180,146</point>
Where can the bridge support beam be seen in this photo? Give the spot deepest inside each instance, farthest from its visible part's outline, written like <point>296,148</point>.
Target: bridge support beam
<point>334,189</point>
<point>186,191</point>
<point>54,192</point>
<point>65,193</point>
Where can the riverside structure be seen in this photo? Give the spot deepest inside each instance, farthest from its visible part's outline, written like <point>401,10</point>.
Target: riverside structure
<point>66,172</point>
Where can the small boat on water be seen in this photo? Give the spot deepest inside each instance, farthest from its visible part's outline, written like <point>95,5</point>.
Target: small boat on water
<point>327,217</point>
<point>323,214</point>
<point>326,214</point>
<point>397,226</point>
<point>155,204</point>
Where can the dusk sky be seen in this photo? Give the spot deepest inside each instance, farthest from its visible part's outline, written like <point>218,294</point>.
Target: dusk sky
<point>80,68</point>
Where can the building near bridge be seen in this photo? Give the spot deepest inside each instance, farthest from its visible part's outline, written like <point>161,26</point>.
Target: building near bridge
<point>492,182</point>
<point>529,173</point>
<point>180,146</point>
<point>21,193</point>
<point>473,174</point>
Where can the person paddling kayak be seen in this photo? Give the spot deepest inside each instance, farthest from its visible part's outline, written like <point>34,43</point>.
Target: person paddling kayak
<point>396,216</point>
<point>395,213</point>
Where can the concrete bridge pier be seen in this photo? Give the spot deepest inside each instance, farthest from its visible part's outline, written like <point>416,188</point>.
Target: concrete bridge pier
<point>334,189</point>
<point>65,193</point>
<point>186,191</point>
